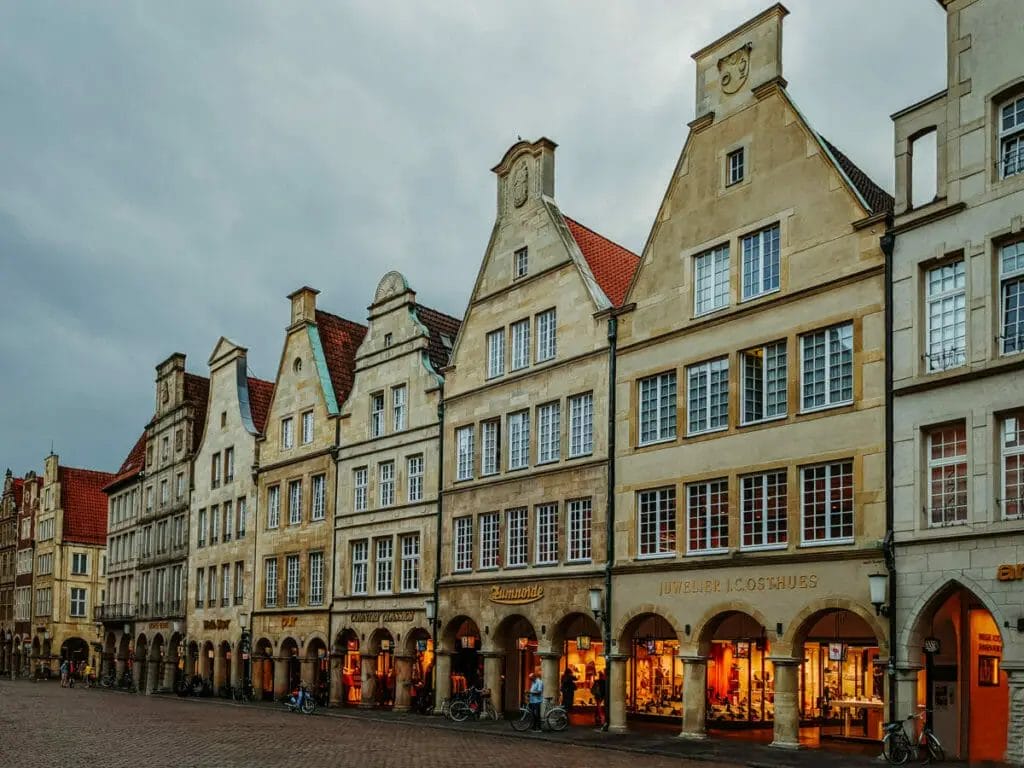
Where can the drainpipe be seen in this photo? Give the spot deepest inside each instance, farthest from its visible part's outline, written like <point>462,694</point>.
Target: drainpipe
<point>888,241</point>
<point>437,542</point>
<point>609,557</point>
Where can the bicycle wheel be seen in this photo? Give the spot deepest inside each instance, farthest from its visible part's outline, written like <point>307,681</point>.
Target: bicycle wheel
<point>308,705</point>
<point>557,719</point>
<point>460,711</point>
<point>524,721</point>
<point>895,749</point>
<point>489,712</point>
<point>935,753</point>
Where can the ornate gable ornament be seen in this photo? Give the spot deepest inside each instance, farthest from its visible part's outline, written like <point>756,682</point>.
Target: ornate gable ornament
<point>734,68</point>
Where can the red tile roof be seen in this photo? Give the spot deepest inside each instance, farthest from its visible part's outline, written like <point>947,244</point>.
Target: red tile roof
<point>132,465</point>
<point>877,198</point>
<point>613,266</point>
<point>340,338</point>
<point>260,393</point>
<point>18,487</point>
<point>439,324</point>
<point>84,504</point>
<point>197,392</point>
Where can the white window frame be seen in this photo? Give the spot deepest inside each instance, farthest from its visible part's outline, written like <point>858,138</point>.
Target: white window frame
<point>518,440</point>
<point>549,433</point>
<point>293,580</point>
<point>410,576</point>
<point>1011,135</point>
<point>1011,272</point>
<point>579,530</point>
<point>660,514</point>
<point>414,473</point>
<point>270,582</point>
<point>377,414</point>
<point>462,544</point>
<point>316,578</point>
<point>241,512</point>
<point>517,537</point>
<point>384,565</point>
<point>360,555</point>
<point>762,498</point>
<point>496,353</point>
<point>1011,428</point>
<point>520,332</point>
<point>735,166</point>
<point>399,407</point>
<point>464,448</point>
<point>490,438</point>
<point>229,519</point>
<point>78,602</point>
<point>201,523</point>
<point>274,506</point>
<point>287,433</point>
<point>831,374</point>
<point>830,470</point>
<point>294,502</point>
<point>319,497</point>
<point>766,390</point>
<point>658,410</point>
<point>360,483</point>
<point>761,260</point>
<point>490,540</point>
<point>545,527</point>
<point>547,335</point>
<point>938,478</point>
<point>521,263</point>
<point>386,483</point>
<point>711,280</point>
<point>710,412</point>
<point>307,427</point>
<point>581,425</point>
<point>946,316</point>
<point>225,584</point>
<point>707,516</point>
<point>80,564</point>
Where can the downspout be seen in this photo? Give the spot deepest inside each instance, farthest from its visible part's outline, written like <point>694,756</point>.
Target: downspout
<point>334,572</point>
<point>888,242</point>
<point>437,542</point>
<point>609,556</point>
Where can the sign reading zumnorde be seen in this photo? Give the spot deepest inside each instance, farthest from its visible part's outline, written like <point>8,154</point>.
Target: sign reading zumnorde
<point>516,595</point>
<point>373,617</point>
<point>739,584</point>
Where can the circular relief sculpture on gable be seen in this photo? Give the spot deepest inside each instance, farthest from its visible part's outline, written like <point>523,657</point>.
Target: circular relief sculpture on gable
<point>392,284</point>
<point>520,184</point>
<point>733,69</point>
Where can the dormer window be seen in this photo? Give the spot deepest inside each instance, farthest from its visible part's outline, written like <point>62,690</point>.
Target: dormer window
<point>735,165</point>
<point>522,262</point>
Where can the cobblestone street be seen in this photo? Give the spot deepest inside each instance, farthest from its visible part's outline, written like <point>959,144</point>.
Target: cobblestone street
<point>44,725</point>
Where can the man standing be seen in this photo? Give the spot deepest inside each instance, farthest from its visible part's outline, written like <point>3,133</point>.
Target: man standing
<point>536,698</point>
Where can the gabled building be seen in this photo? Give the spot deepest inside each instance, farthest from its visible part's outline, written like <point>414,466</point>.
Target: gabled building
<point>223,501</point>
<point>386,519</point>
<point>750,429</point>
<point>296,490</point>
<point>70,560</point>
<point>10,501</point>
<point>26,648</point>
<point>526,448</point>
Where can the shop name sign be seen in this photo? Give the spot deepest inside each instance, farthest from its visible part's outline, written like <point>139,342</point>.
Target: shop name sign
<point>739,584</point>
<point>374,617</point>
<point>216,623</point>
<point>516,595</point>
<point>1010,572</point>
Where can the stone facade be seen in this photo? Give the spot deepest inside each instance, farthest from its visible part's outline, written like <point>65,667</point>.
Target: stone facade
<point>296,493</point>
<point>9,503</point>
<point>750,493</point>
<point>958,406</point>
<point>25,648</point>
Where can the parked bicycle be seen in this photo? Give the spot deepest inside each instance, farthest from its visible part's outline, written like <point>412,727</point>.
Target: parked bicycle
<point>897,746</point>
<point>108,680</point>
<point>243,694</point>
<point>301,700</point>
<point>476,704</point>
<point>553,716</point>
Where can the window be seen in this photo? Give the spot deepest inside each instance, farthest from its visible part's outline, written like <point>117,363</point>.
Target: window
<point>239,582</point>
<point>520,344</point>
<point>827,372</point>
<point>547,534</point>
<point>77,602</point>
<point>549,433</point>
<point>947,475</point>
<point>292,579</point>
<point>656,522</point>
<point>149,499</point>
<point>1011,282</point>
<point>517,543</point>
<point>214,527</point>
<point>1011,137</point>
<point>764,382</point>
<point>165,448</point>
<point>464,449</point>
<point>360,479</point>
<point>211,593</point>
<point>385,553</point>
<point>463,543</point>
<point>387,340</point>
<point>581,425</point>
<point>319,501</point>
<point>579,513</point>
<point>708,396</point>
<point>490,537</point>
<point>707,517</point>
<point>827,503</point>
<point>398,406</point>
<point>79,564</point>
<point>307,427</point>
<point>386,483</point>
<point>287,432</point>
<point>734,163</point>
<point>270,594</point>
<point>414,471</point>
<point>496,353</point>
<point>764,514</point>
<point>294,502</point>
<point>947,316</point>
<point>711,280</point>
<point>273,506</point>
<point>518,440</point>
<point>225,585</point>
<point>179,487</point>
<point>229,464</point>
<point>546,336</point>
<point>760,262</point>
<point>165,493</point>
<point>316,578</point>
<point>1013,467</point>
<point>377,414</point>
<point>44,564</point>
<point>200,530</point>
<point>410,563</point>
<point>490,462</point>
<point>658,408</point>
<point>241,513</point>
<point>359,555</point>
<point>521,262</point>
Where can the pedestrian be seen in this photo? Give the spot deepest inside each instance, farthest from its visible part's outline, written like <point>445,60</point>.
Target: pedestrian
<point>536,698</point>
<point>65,673</point>
<point>599,691</point>
<point>390,686</point>
<point>568,688</point>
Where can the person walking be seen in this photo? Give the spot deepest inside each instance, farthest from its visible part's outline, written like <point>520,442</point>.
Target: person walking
<point>599,691</point>
<point>65,673</point>
<point>568,689</point>
<point>536,698</point>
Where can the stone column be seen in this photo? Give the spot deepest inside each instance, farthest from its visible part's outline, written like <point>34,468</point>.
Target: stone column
<point>218,671</point>
<point>906,690</point>
<point>152,675</point>
<point>403,679</point>
<point>695,684</point>
<point>235,667</point>
<point>336,686</point>
<point>307,671</point>
<point>787,705</point>
<point>549,673</point>
<point>280,678</point>
<point>615,677</point>
<point>443,676</point>
<point>492,679</point>
<point>368,672</point>
<point>1015,725</point>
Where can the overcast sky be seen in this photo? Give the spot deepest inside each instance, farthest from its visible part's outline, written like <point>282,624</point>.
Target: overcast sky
<point>169,172</point>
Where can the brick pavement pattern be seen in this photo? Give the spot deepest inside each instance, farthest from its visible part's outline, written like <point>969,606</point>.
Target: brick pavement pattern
<point>43,725</point>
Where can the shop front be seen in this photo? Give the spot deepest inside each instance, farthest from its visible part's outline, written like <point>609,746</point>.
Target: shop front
<point>285,652</point>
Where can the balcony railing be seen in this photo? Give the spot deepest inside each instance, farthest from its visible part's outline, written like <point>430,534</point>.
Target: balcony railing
<point>114,612</point>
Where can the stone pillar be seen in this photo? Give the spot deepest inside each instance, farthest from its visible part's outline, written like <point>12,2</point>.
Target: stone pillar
<point>787,705</point>
<point>152,675</point>
<point>235,666</point>
<point>1015,726</point>
<point>615,677</point>
<point>368,673</point>
<point>336,686</point>
<point>403,679</point>
<point>307,671</point>
<point>443,685</point>
<point>280,678</point>
<point>549,673</point>
<point>218,671</point>
<point>906,690</point>
<point>492,679</point>
<point>695,684</point>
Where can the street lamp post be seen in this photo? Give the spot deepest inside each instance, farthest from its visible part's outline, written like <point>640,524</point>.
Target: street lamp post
<point>596,600</point>
<point>245,648</point>
<point>430,606</point>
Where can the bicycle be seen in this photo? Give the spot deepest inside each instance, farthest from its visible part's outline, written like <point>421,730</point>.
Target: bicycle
<point>243,694</point>
<point>554,716</point>
<point>477,704</point>
<point>897,745</point>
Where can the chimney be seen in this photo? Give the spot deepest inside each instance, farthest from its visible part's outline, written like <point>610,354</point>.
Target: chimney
<point>303,305</point>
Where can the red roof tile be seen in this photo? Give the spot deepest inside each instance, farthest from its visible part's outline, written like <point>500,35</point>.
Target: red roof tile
<point>84,504</point>
<point>877,198</point>
<point>340,338</point>
<point>613,266</point>
<point>18,486</point>
<point>260,392</point>
<point>440,325</point>
<point>133,463</point>
<point>197,392</point>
